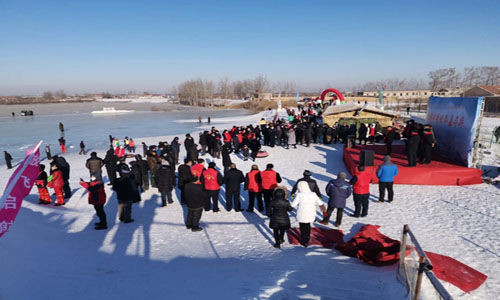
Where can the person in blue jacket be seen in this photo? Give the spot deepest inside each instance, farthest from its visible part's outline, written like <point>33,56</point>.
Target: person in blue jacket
<point>338,190</point>
<point>386,173</point>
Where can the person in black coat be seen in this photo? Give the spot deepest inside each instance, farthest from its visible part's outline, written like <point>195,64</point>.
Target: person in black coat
<point>307,134</point>
<point>226,159</point>
<point>176,147</point>
<point>188,143</point>
<point>126,194</point>
<point>280,221</point>
<point>233,179</point>
<point>194,153</point>
<point>82,148</point>
<point>166,182</point>
<point>313,185</point>
<point>254,146</point>
<point>8,159</point>
<point>428,142</point>
<point>320,134</point>
<point>135,169</point>
<point>272,136</point>
<point>412,147</point>
<point>144,168</point>
<point>195,201</point>
<point>389,137</point>
<point>110,162</point>
<point>362,131</point>
<point>203,141</point>
<point>184,176</point>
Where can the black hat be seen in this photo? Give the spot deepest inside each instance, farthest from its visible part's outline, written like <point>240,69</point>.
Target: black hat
<point>307,173</point>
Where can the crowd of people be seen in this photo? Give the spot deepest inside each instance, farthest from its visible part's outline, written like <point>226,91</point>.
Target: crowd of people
<point>199,180</point>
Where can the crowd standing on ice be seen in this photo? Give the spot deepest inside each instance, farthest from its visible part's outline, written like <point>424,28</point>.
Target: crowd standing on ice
<point>199,181</point>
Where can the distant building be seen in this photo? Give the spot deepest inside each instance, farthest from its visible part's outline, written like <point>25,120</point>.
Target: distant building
<point>262,96</point>
<point>491,94</point>
<point>415,94</point>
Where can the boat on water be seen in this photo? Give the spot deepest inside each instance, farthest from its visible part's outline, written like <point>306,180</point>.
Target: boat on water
<point>110,111</point>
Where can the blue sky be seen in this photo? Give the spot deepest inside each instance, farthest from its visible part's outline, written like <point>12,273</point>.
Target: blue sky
<point>118,46</point>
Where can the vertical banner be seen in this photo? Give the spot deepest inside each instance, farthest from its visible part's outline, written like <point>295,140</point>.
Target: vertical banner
<point>18,187</point>
<point>455,122</point>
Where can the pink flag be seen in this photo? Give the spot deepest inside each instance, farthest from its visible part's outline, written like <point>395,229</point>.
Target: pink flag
<point>18,187</point>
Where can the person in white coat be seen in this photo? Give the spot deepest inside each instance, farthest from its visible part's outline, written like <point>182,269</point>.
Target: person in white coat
<point>306,202</point>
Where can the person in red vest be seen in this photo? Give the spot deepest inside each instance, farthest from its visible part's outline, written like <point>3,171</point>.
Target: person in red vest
<point>120,152</point>
<point>361,191</point>
<point>56,182</point>
<point>97,197</point>
<point>198,168</point>
<point>131,145</point>
<point>227,139</point>
<point>41,184</point>
<point>253,186</point>
<point>270,180</point>
<point>212,180</point>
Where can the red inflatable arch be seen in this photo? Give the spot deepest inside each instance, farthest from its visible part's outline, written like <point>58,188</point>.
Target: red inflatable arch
<point>337,93</point>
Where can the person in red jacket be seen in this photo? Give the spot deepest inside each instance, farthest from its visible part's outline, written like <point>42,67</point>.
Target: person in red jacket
<point>270,180</point>
<point>41,184</point>
<point>361,191</point>
<point>227,138</point>
<point>212,180</point>
<point>97,197</point>
<point>56,182</point>
<point>120,152</point>
<point>198,168</point>
<point>254,188</point>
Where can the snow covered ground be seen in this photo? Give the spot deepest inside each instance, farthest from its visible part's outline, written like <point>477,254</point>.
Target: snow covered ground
<point>54,252</point>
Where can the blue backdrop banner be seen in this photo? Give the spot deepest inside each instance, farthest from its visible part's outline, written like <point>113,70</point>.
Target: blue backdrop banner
<point>455,122</point>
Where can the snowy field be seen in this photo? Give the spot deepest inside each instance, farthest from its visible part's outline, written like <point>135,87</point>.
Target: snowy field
<point>54,252</point>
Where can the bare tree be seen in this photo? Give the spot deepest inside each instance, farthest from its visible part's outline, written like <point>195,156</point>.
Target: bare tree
<point>490,75</point>
<point>60,94</point>
<point>48,96</point>
<point>439,78</point>
<point>225,88</point>
<point>261,84</point>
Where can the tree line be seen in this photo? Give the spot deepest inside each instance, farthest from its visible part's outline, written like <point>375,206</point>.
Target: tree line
<point>199,91</point>
<point>445,78</point>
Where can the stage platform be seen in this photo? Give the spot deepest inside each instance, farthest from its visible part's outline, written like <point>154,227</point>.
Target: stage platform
<point>438,172</point>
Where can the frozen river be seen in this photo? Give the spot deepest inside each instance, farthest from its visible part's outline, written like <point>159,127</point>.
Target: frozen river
<point>19,133</point>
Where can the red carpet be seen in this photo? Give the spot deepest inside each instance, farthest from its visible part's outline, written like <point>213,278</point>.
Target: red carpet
<point>319,236</point>
<point>376,249</point>
<point>438,172</point>
<point>451,270</point>
<point>372,247</point>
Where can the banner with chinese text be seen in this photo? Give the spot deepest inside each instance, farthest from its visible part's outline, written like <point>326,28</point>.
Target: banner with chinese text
<point>18,187</point>
<point>455,122</point>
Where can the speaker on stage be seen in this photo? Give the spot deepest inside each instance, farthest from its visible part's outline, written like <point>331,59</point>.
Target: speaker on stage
<point>366,157</point>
